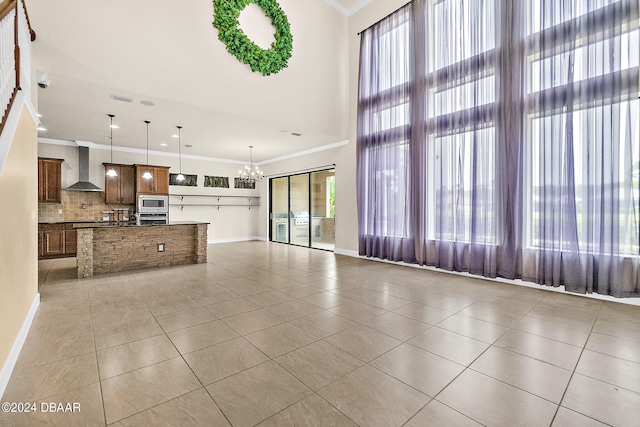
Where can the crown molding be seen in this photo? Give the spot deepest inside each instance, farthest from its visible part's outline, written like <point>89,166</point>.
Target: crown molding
<point>305,152</point>
<point>94,146</point>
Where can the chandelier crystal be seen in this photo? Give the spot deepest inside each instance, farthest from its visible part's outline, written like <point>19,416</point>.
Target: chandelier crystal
<point>251,173</point>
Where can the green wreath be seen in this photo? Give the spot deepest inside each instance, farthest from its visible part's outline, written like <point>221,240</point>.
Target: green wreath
<point>266,61</point>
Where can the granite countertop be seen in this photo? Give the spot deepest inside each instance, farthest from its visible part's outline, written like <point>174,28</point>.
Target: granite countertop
<point>88,221</point>
<point>133,224</point>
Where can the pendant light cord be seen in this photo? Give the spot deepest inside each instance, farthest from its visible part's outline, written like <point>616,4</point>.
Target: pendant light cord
<point>111,135</point>
<point>147,122</point>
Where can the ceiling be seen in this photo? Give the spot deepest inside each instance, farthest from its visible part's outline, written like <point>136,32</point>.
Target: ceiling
<point>167,54</point>
<point>348,7</point>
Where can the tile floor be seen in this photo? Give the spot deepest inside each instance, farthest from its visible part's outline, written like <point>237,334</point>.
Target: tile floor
<point>273,335</point>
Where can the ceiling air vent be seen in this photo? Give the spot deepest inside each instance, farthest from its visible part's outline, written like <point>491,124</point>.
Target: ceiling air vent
<point>121,98</point>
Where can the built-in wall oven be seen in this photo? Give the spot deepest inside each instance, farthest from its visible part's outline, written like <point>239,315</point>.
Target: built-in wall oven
<point>152,210</point>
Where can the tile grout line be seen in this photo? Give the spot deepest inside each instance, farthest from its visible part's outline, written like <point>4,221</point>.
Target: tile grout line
<point>468,367</point>
<point>574,372</point>
<point>351,285</point>
<point>93,331</point>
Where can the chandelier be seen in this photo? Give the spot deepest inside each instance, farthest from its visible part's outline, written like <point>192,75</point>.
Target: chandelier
<point>251,173</point>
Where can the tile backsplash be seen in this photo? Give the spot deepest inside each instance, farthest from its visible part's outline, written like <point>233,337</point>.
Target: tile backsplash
<point>77,206</point>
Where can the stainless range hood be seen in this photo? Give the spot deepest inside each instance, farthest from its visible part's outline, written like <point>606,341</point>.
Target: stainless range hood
<point>83,175</point>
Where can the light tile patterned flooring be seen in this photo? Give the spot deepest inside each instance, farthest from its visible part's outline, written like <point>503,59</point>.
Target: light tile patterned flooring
<point>273,335</point>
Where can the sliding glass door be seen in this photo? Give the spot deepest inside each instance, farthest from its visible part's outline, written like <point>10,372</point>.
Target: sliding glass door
<point>303,209</point>
<point>299,202</point>
<point>279,210</point>
<point>323,209</point>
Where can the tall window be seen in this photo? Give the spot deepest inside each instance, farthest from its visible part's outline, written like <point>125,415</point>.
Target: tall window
<point>384,100</point>
<point>461,61</point>
<point>582,110</point>
<point>501,137</point>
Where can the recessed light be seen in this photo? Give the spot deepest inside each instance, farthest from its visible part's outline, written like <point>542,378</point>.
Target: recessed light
<point>41,128</point>
<point>148,103</point>
<point>296,134</point>
<point>174,136</point>
<point>114,127</point>
<point>163,145</point>
<point>121,98</point>
<point>107,137</point>
<point>39,115</point>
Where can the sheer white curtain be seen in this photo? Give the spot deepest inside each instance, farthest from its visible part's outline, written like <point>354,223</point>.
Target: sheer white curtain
<point>501,138</point>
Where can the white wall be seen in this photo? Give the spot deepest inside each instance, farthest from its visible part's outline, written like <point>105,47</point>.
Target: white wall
<point>18,242</point>
<point>229,223</point>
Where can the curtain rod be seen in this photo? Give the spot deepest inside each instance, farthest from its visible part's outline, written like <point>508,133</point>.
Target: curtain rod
<point>378,21</point>
<point>316,169</point>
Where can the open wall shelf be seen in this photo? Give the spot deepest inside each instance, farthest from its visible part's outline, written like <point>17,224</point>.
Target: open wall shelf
<point>215,200</point>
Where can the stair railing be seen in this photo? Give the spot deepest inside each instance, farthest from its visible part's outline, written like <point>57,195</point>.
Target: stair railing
<point>16,36</point>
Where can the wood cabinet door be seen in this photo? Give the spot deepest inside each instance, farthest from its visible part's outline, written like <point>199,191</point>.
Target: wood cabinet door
<point>161,180</point>
<point>50,180</point>
<point>70,242</point>
<point>120,189</point>
<point>41,183</point>
<point>53,242</point>
<point>159,184</point>
<point>112,186</point>
<point>127,185</point>
<point>143,186</point>
<point>40,244</point>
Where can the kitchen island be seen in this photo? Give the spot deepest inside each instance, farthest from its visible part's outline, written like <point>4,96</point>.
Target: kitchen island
<point>112,247</point>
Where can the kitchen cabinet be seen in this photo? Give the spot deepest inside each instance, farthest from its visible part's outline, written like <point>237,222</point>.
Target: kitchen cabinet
<point>40,243</point>
<point>52,244</point>
<point>158,184</point>
<point>120,189</point>
<point>57,240</point>
<point>70,240</point>
<point>49,180</point>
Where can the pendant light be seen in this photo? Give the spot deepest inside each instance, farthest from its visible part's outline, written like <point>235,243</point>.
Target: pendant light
<point>111,172</point>
<point>147,173</point>
<point>251,173</point>
<point>180,177</point>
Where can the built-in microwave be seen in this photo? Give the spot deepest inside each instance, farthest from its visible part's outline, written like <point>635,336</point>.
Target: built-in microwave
<point>153,204</point>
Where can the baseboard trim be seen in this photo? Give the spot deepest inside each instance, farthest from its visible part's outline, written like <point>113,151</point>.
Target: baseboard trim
<point>235,239</point>
<point>7,369</point>
<point>517,282</point>
<point>346,252</point>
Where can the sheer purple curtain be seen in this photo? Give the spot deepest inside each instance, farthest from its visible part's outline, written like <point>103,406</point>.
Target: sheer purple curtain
<point>455,140</point>
<point>384,168</point>
<point>581,109</point>
<point>501,138</point>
